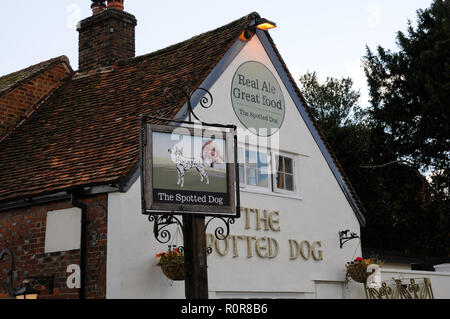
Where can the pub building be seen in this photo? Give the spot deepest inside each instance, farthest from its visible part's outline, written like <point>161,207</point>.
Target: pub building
<point>71,175</point>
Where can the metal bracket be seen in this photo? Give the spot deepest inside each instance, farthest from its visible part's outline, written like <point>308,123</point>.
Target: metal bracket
<point>344,237</point>
<point>9,279</point>
<point>160,224</point>
<point>222,233</point>
<point>173,94</point>
<point>163,235</point>
<point>46,281</point>
<point>206,101</point>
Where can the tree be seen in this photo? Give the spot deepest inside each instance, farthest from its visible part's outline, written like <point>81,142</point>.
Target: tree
<point>335,108</point>
<point>410,118</point>
<point>410,94</point>
<point>400,213</point>
<point>334,103</point>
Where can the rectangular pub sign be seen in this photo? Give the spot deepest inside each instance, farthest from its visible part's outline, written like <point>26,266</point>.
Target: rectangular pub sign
<point>188,169</point>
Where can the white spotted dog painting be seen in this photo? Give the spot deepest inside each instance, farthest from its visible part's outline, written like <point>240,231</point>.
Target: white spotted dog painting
<point>184,164</point>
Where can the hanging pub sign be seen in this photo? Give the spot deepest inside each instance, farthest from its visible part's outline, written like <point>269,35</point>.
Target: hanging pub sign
<point>188,169</point>
<point>257,99</point>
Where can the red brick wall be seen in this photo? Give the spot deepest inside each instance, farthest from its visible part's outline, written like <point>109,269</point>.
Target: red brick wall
<point>23,232</point>
<point>105,39</point>
<point>16,104</point>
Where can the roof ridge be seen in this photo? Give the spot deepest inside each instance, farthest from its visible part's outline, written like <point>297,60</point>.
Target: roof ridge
<point>171,47</point>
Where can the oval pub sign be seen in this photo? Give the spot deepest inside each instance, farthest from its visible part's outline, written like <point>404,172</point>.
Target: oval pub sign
<point>257,99</point>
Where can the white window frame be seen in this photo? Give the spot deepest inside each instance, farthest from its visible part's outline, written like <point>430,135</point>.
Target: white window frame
<point>295,174</point>
<point>272,188</point>
<point>254,188</point>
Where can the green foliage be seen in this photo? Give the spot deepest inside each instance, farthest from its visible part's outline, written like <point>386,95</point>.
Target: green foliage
<point>170,257</point>
<point>410,91</point>
<point>386,149</point>
<point>410,120</point>
<point>334,103</point>
<point>335,107</point>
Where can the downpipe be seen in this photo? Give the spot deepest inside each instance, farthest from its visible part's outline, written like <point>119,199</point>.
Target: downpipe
<point>75,203</point>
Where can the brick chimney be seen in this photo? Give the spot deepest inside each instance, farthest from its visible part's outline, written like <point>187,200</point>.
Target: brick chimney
<point>107,36</point>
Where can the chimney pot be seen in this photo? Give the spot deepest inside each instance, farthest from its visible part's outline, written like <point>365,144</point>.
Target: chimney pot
<point>115,4</point>
<point>97,7</point>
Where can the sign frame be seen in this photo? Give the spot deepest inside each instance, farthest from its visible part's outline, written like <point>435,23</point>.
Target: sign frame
<point>150,207</point>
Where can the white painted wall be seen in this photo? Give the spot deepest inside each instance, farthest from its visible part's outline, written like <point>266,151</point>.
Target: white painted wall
<point>318,214</point>
<point>131,270</point>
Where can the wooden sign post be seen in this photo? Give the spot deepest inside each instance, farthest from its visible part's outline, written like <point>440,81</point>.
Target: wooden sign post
<point>195,263</point>
<point>189,171</point>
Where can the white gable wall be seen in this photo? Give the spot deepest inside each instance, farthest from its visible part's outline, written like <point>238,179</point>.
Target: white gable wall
<point>319,212</point>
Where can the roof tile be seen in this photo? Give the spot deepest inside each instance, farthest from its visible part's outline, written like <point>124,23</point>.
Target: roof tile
<point>87,131</point>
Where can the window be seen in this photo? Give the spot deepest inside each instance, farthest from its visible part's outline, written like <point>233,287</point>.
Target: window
<point>284,173</point>
<point>254,168</point>
<point>284,176</point>
<point>256,172</point>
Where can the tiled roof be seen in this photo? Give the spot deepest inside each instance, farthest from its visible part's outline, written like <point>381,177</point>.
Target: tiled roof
<point>12,80</point>
<point>87,131</point>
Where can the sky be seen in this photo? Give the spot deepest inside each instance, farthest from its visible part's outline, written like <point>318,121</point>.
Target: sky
<point>326,36</point>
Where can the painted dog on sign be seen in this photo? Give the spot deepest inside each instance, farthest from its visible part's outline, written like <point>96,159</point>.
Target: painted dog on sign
<point>184,164</point>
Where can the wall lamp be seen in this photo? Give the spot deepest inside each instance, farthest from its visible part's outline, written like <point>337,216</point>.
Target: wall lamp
<point>261,24</point>
<point>345,236</point>
<point>26,290</point>
<point>264,24</point>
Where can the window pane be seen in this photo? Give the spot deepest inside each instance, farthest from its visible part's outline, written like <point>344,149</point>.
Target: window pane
<point>263,180</point>
<point>251,176</point>
<point>256,168</point>
<point>280,164</point>
<point>262,160</point>
<point>241,156</point>
<point>289,182</point>
<point>288,164</point>
<point>280,180</point>
<point>264,170</point>
<point>241,174</point>
<point>251,158</point>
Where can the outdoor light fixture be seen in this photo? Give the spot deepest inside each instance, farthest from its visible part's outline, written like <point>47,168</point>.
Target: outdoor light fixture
<point>345,237</point>
<point>26,290</point>
<point>261,24</point>
<point>264,24</point>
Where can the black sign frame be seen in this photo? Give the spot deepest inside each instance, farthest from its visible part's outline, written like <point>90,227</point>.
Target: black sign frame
<point>150,207</point>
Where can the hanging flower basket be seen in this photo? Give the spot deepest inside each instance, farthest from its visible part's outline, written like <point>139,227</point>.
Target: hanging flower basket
<point>173,271</point>
<point>357,269</point>
<point>172,264</point>
<point>358,274</point>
